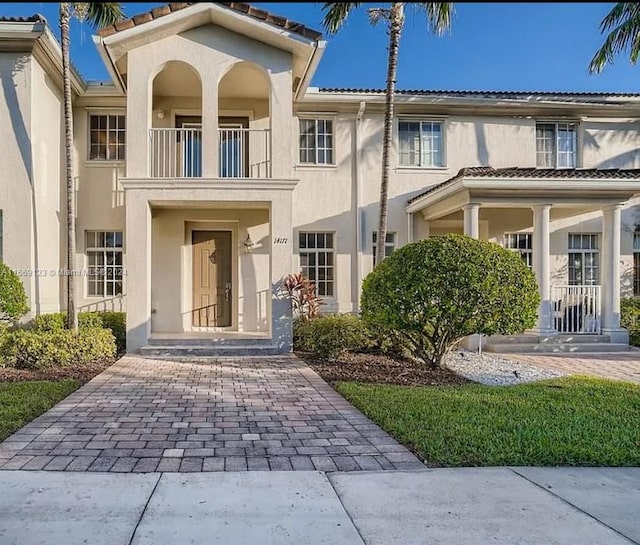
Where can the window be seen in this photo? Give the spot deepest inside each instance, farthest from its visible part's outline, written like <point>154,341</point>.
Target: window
<point>389,245</point>
<point>556,145</point>
<point>420,143</point>
<point>316,141</point>
<point>636,261</point>
<point>521,243</point>
<point>584,259</point>
<point>106,138</point>
<point>104,254</point>
<point>316,260</point>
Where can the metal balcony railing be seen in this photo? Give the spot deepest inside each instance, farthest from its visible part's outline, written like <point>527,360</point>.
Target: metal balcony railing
<point>242,153</point>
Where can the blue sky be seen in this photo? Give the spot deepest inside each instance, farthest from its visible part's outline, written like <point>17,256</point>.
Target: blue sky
<point>510,46</point>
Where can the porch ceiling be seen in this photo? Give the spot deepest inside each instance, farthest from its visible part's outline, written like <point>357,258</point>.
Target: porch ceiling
<point>583,189</point>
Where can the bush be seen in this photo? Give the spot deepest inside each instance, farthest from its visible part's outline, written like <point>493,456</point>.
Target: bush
<point>34,349</point>
<point>115,321</point>
<point>13,299</point>
<point>434,292</point>
<point>630,318</point>
<point>329,336</point>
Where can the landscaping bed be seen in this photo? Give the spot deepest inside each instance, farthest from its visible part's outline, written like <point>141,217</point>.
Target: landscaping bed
<point>567,421</point>
<point>80,372</point>
<point>380,369</point>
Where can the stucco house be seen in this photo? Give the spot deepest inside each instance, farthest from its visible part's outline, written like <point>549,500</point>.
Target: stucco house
<point>208,168</point>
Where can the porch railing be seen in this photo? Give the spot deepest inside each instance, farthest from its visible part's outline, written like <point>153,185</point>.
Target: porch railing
<point>577,309</point>
<point>242,153</point>
<point>176,153</point>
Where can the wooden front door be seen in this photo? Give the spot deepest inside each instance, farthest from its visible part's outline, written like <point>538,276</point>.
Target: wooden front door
<point>212,288</point>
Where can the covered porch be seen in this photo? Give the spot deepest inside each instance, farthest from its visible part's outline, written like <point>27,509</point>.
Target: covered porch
<point>205,264</point>
<point>539,213</point>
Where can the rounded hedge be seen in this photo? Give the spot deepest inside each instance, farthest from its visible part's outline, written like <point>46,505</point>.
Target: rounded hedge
<point>434,292</point>
<point>13,300</point>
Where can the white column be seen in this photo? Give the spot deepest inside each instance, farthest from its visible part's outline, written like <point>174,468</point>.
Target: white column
<point>610,277</point>
<point>541,266</point>
<point>210,138</point>
<point>281,265</point>
<point>471,214</point>
<point>138,269</point>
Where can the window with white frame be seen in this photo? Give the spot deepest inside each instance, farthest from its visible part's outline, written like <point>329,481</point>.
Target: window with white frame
<point>107,135</point>
<point>556,145</point>
<point>104,256</point>
<point>316,141</point>
<point>389,245</point>
<point>636,261</point>
<point>521,243</point>
<point>421,143</point>
<point>584,259</point>
<point>317,260</point>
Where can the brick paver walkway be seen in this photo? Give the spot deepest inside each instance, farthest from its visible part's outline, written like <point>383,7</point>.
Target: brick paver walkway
<point>144,415</point>
<point>616,365</point>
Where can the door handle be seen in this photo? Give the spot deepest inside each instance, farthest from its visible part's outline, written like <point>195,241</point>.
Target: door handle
<point>227,291</point>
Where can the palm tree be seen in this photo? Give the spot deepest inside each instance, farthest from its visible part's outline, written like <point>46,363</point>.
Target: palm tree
<point>438,16</point>
<point>98,14</point>
<point>623,25</point>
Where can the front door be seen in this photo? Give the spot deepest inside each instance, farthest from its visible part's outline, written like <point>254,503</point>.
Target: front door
<point>212,287</point>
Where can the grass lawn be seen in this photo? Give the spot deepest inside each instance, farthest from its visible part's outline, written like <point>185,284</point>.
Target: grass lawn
<point>21,402</point>
<point>568,421</point>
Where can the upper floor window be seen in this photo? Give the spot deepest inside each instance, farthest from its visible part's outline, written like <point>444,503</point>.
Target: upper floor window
<point>556,145</point>
<point>106,137</point>
<point>421,143</point>
<point>316,141</point>
<point>104,252</point>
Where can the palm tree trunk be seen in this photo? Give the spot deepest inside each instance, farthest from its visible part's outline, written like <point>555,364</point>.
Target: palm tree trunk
<point>396,23</point>
<point>65,17</point>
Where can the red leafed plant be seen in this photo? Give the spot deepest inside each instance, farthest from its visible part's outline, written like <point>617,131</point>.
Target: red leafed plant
<point>305,300</point>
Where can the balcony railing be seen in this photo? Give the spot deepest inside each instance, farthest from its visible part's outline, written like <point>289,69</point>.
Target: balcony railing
<point>242,153</point>
<point>577,309</point>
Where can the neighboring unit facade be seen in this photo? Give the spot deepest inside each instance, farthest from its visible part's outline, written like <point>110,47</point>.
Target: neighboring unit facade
<point>209,170</point>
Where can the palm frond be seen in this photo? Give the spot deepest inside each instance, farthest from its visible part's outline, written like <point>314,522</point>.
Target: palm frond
<point>623,22</point>
<point>101,14</point>
<point>439,15</point>
<point>336,14</point>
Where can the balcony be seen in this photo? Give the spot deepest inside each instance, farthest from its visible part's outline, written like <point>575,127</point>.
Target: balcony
<point>242,153</point>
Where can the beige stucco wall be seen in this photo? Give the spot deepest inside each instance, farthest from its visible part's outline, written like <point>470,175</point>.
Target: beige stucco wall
<point>30,198</point>
<point>171,266</point>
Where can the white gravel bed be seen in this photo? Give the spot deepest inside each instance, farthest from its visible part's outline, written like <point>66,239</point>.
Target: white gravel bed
<point>496,370</point>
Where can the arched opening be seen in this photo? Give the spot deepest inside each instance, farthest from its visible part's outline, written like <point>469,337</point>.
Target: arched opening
<point>176,133</point>
<point>244,122</point>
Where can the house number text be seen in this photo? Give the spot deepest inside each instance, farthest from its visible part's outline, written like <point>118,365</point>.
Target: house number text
<point>280,240</point>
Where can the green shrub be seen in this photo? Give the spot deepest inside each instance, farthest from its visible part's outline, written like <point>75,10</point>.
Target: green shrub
<point>630,318</point>
<point>115,321</point>
<point>54,321</point>
<point>329,336</point>
<point>13,299</point>
<point>41,349</point>
<point>434,292</point>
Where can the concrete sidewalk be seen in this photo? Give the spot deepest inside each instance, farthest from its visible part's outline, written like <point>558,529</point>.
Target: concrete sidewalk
<point>500,506</point>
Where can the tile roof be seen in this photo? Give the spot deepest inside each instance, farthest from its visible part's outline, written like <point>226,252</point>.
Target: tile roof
<point>537,173</point>
<point>35,18</point>
<point>483,94</point>
<point>247,9</point>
